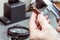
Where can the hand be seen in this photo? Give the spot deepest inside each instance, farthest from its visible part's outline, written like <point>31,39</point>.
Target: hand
<point>47,32</point>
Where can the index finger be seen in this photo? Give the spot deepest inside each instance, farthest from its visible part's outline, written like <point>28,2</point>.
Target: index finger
<point>32,23</point>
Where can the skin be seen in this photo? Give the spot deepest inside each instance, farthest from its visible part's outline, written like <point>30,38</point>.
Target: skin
<point>58,27</point>
<point>47,32</point>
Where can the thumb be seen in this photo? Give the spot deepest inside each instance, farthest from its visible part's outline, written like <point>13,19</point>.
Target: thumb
<point>32,23</point>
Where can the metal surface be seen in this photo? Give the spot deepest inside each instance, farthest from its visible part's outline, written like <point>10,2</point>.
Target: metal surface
<point>51,8</point>
<point>3,28</point>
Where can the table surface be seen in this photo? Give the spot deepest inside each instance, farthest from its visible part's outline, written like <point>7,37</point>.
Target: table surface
<point>3,28</point>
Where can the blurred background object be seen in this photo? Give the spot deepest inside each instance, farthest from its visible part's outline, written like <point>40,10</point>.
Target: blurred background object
<point>25,23</point>
<point>56,0</point>
<point>40,4</point>
<point>57,5</point>
<point>27,2</point>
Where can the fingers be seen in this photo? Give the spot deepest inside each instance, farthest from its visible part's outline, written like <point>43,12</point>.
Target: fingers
<point>58,28</point>
<point>47,19</point>
<point>32,21</point>
<point>42,20</point>
<point>33,17</point>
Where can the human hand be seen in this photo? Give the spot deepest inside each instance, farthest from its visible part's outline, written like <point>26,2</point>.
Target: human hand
<point>47,32</point>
